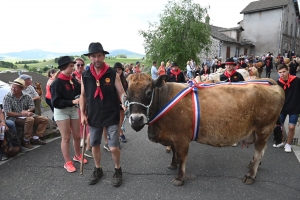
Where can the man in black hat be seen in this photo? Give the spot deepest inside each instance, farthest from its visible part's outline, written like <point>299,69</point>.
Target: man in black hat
<point>230,74</point>
<point>175,74</point>
<point>99,105</point>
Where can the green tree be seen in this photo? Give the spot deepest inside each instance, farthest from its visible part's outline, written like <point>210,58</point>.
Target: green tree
<point>180,35</point>
<point>45,69</point>
<point>26,66</point>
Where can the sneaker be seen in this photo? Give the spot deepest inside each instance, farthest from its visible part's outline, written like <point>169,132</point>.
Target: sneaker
<point>3,157</point>
<point>279,145</point>
<point>27,144</point>
<point>70,167</point>
<point>95,177</point>
<point>78,159</point>
<point>106,147</point>
<point>117,178</point>
<point>123,138</point>
<point>288,148</point>
<point>88,153</point>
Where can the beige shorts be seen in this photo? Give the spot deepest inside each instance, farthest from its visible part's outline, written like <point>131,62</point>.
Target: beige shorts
<point>65,113</point>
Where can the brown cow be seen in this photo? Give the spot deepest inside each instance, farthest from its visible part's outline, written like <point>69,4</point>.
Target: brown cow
<point>229,114</point>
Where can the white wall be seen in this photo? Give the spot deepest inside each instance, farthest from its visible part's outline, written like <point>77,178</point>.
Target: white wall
<point>263,29</point>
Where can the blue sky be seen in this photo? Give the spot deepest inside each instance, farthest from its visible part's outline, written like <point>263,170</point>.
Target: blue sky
<point>69,26</point>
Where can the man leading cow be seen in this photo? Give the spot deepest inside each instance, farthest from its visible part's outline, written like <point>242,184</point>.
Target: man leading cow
<point>100,91</point>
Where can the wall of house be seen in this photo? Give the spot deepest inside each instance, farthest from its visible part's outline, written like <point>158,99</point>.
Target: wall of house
<point>290,31</point>
<point>214,50</point>
<point>234,51</point>
<point>263,29</point>
<point>231,33</point>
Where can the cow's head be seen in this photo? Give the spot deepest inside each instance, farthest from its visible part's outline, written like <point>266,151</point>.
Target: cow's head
<point>140,95</point>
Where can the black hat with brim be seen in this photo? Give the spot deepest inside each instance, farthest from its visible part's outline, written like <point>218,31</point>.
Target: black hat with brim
<point>118,65</point>
<point>230,61</point>
<point>174,64</point>
<point>64,60</point>
<point>95,47</point>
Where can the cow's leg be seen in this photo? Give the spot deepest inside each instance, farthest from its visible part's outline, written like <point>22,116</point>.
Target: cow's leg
<point>260,146</point>
<point>173,164</point>
<point>182,153</point>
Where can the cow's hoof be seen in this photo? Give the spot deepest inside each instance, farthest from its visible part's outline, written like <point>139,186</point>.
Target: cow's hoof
<point>172,167</point>
<point>248,180</point>
<point>177,182</point>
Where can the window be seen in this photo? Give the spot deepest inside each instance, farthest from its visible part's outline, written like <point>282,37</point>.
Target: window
<point>291,29</point>
<point>245,51</point>
<point>286,28</point>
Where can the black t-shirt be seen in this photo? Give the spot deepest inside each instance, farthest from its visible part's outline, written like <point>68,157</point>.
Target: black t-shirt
<point>292,97</point>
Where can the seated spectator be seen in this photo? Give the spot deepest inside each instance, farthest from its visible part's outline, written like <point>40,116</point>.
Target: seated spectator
<point>29,89</point>
<point>205,71</point>
<point>19,108</point>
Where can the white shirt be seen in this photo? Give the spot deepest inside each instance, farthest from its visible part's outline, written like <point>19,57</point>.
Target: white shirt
<point>154,73</point>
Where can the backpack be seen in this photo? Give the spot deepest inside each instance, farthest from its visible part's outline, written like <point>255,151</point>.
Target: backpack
<point>11,144</point>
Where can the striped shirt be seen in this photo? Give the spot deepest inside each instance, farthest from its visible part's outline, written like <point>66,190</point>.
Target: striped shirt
<point>13,104</point>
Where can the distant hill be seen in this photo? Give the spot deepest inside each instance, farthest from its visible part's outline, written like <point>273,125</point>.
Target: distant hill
<point>37,54</point>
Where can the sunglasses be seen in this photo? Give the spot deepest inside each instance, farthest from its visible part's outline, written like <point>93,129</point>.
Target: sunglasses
<point>78,65</point>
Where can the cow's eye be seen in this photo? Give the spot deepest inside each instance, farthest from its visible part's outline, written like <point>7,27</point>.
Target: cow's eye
<point>149,93</point>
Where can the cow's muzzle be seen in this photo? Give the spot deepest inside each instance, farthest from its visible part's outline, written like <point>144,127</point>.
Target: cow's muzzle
<point>137,121</point>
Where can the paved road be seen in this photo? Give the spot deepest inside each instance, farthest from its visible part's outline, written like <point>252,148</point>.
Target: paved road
<point>39,174</point>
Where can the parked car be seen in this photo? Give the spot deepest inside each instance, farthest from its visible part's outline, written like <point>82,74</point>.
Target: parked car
<point>4,89</point>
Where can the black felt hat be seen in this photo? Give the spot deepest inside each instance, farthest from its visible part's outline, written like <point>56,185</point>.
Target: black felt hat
<point>230,61</point>
<point>118,65</point>
<point>174,64</point>
<point>95,47</point>
<point>64,60</point>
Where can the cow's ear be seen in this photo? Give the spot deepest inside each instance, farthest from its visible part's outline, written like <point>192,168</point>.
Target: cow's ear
<point>160,81</point>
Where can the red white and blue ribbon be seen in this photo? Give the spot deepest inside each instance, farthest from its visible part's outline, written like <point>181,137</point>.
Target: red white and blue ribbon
<point>196,108</point>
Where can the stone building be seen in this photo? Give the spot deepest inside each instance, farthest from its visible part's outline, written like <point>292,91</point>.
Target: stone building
<point>267,26</point>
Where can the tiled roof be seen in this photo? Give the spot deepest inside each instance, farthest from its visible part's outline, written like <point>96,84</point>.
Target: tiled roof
<point>261,5</point>
<point>215,32</point>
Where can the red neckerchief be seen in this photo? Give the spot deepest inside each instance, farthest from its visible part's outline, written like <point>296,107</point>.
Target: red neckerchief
<point>64,77</point>
<point>229,75</point>
<point>175,73</point>
<point>288,82</point>
<point>98,77</point>
<point>77,75</point>
<point>268,63</point>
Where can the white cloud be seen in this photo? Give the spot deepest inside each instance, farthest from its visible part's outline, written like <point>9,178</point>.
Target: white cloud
<point>66,26</point>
